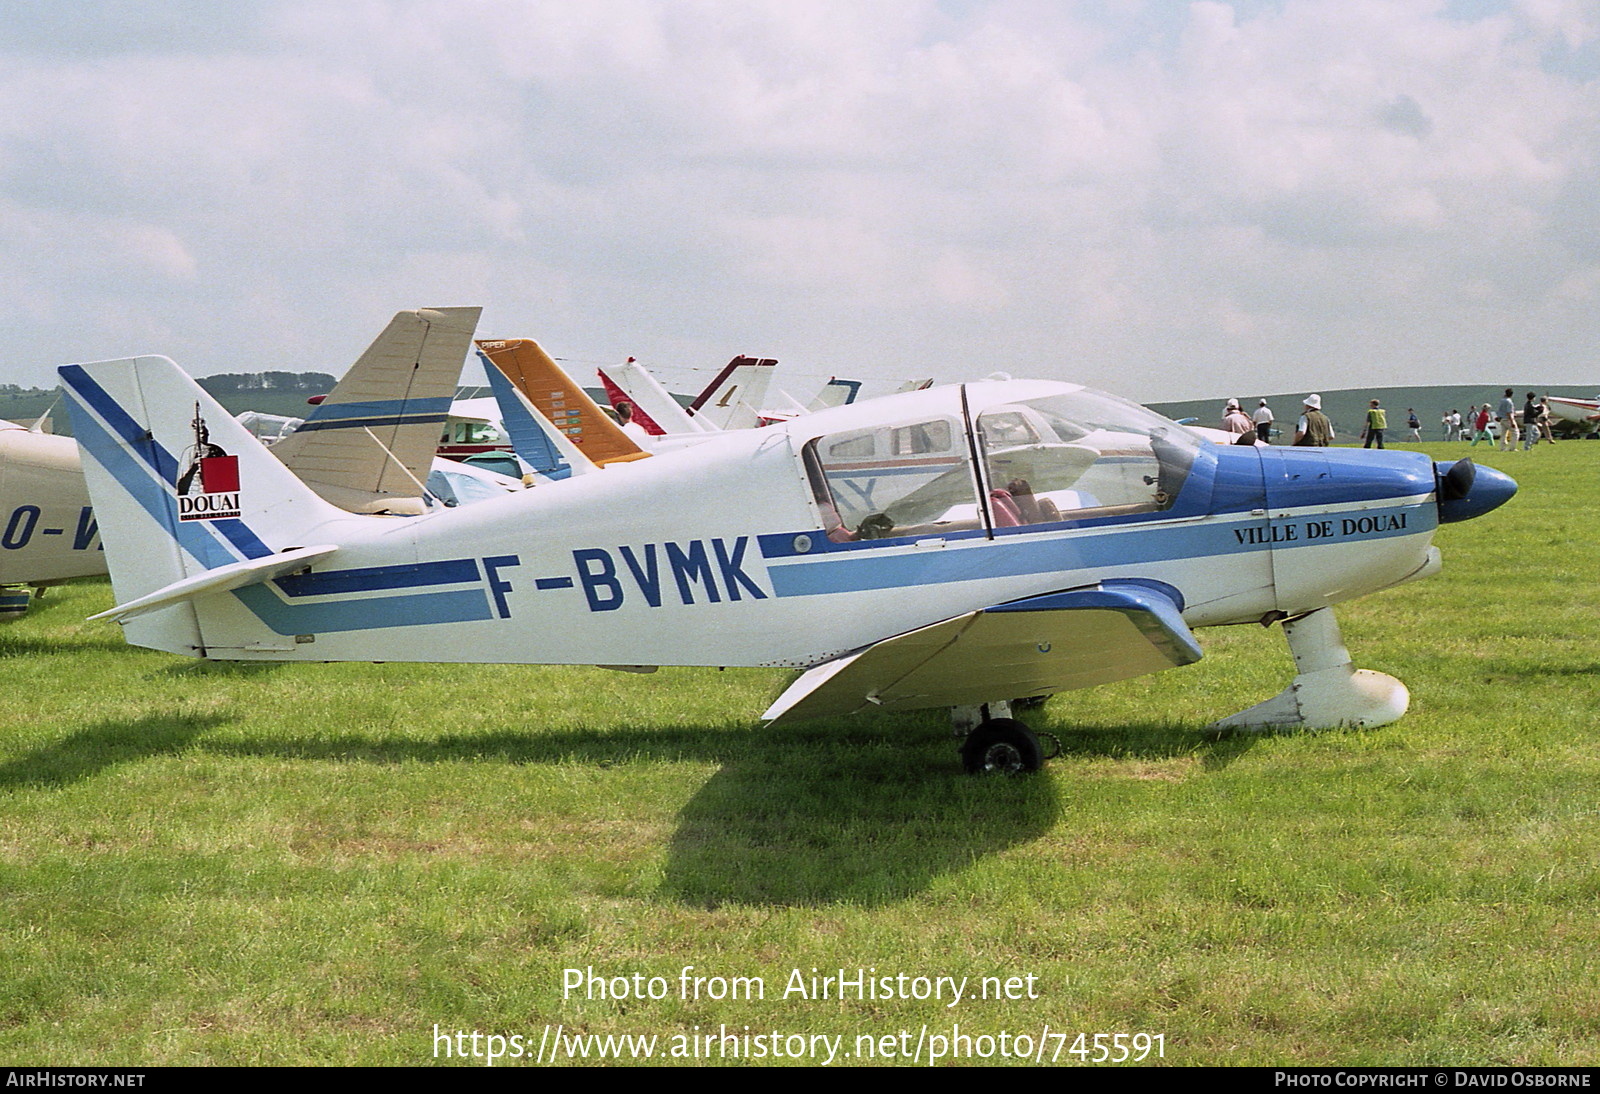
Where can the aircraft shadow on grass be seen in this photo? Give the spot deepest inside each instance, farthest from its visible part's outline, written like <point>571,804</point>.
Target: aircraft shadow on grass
<point>19,646</point>
<point>104,745</point>
<point>1214,748</point>
<point>867,811</point>
<point>241,669</point>
<point>893,812</point>
<point>867,814</point>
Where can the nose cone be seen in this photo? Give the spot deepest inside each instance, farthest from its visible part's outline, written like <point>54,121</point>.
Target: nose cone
<point>1467,491</point>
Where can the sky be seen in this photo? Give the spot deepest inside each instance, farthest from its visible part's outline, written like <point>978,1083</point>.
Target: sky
<point>1166,200</point>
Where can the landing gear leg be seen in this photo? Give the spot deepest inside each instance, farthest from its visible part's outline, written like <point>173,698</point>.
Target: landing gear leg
<point>1328,692</point>
<point>996,742</point>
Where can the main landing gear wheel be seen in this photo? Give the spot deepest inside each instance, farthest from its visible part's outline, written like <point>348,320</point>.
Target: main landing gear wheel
<point>1004,746</point>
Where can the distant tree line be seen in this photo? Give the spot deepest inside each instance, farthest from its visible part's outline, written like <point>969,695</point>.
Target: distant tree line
<point>17,391</point>
<point>234,383</point>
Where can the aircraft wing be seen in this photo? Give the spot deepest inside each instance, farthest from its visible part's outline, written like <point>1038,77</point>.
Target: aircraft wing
<point>1044,644</point>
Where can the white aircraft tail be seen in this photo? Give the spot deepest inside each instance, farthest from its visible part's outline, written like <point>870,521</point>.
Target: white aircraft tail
<point>189,502</point>
<point>656,407</point>
<point>733,399</point>
<point>836,392</point>
<point>369,445</point>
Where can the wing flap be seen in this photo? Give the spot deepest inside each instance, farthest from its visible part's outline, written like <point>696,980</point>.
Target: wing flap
<point>1058,642</point>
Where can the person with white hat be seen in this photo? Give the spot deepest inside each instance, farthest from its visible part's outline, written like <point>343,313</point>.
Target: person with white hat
<point>1313,429</point>
<point>1234,420</point>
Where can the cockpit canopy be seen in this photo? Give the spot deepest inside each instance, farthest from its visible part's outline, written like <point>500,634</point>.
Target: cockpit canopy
<point>1065,455</point>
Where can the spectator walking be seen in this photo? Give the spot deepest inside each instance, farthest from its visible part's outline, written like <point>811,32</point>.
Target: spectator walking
<point>1263,420</point>
<point>1377,422</point>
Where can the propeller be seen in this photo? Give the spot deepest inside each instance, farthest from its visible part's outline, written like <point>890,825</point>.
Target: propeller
<point>1457,482</point>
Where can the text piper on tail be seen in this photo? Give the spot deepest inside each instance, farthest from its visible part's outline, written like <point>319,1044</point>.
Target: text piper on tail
<point>961,546</point>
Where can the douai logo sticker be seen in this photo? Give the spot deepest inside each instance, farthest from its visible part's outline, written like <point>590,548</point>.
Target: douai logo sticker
<point>208,489</point>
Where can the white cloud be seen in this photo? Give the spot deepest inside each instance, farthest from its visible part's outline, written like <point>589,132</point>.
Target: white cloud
<point>1151,197</point>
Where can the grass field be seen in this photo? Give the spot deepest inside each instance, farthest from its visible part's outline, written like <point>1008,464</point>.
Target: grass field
<point>215,864</point>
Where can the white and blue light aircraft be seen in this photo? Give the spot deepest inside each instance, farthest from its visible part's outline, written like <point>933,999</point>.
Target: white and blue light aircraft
<point>1079,539</point>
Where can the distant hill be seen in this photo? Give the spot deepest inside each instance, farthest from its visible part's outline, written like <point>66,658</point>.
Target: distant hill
<point>1348,408</point>
<point>266,393</point>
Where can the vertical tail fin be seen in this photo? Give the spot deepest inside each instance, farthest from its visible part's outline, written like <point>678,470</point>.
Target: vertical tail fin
<point>836,392</point>
<point>372,440</point>
<point>537,442</point>
<point>179,487</point>
<point>733,400</point>
<point>546,412</point>
<point>654,406</point>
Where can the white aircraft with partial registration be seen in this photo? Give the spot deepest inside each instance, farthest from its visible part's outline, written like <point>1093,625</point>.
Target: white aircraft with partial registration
<point>47,528</point>
<point>1084,550</point>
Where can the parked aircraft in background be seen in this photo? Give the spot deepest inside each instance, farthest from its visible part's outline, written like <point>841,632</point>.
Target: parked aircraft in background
<point>370,444</point>
<point>1581,411</point>
<point>367,446</point>
<point>1081,549</point>
<point>734,399</point>
<point>472,428</point>
<point>47,529</point>
<point>559,411</point>
<point>269,428</point>
<point>654,408</point>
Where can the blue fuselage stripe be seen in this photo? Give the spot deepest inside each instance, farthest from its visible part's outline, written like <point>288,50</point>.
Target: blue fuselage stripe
<point>1013,556</point>
<point>367,579</point>
<point>369,423</point>
<point>409,409</point>
<point>460,606</point>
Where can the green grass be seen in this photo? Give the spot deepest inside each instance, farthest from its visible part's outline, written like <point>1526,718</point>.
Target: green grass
<point>224,864</point>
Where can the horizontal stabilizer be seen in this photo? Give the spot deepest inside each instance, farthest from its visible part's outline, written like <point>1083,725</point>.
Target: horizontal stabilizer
<point>237,575</point>
<point>1033,647</point>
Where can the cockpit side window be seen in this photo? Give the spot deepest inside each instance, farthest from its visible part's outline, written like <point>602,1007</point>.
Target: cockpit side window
<point>851,447</point>
<point>914,440</point>
<point>1086,454</point>
<point>906,480</point>
<point>1003,428</point>
<point>472,433</point>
